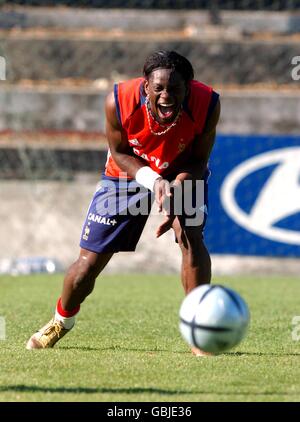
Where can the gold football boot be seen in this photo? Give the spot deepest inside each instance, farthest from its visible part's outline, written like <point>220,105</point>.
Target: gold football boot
<point>47,336</point>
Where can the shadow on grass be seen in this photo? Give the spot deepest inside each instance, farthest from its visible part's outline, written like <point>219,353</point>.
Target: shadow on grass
<point>88,390</point>
<point>186,352</point>
<point>134,390</point>
<point>235,354</point>
<point>118,348</point>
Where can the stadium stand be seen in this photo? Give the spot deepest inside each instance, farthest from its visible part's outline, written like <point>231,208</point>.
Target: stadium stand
<point>60,66</point>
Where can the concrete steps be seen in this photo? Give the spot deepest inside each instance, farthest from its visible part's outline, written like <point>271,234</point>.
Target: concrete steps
<point>81,109</point>
<point>56,43</point>
<point>61,63</point>
<point>124,20</point>
<point>215,61</point>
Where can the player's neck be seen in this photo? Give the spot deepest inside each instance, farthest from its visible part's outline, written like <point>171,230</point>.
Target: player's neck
<point>151,118</point>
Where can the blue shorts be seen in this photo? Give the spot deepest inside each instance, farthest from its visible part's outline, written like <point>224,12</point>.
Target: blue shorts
<point>118,213</point>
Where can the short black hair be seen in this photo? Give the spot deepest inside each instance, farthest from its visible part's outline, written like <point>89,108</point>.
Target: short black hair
<point>165,59</point>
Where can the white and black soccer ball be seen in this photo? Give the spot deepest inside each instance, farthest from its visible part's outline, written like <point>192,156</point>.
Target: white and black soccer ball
<point>213,318</point>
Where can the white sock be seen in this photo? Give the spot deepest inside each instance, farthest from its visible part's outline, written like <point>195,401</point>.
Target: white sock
<point>68,323</point>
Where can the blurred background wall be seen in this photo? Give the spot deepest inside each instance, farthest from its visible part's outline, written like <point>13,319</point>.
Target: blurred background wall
<point>60,59</point>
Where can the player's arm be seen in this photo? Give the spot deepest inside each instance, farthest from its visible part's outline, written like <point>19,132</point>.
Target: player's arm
<point>194,170</point>
<point>203,145</point>
<point>117,140</point>
<point>121,152</point>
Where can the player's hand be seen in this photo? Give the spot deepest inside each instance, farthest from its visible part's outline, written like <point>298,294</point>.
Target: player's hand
<point>165,225</point>
<point>166,197</point>
<point>162,191</point>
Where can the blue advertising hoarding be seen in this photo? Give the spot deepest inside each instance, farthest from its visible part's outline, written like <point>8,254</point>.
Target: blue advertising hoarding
<point>254,196</point>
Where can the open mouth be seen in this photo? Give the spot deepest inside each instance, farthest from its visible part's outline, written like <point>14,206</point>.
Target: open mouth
<point>167,111</point>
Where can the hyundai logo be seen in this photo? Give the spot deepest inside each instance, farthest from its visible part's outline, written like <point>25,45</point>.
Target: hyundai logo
<point>278,198</point>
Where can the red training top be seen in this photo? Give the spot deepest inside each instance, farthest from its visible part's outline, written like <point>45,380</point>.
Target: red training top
<point>163,153</point>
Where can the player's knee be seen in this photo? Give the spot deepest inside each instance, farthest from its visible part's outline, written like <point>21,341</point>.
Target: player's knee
<point>181,239</point>
<point>190,238</point>
<point>194,235</point>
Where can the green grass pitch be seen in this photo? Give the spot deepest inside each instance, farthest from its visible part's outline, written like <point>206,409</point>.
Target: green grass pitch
<point>126,345</point>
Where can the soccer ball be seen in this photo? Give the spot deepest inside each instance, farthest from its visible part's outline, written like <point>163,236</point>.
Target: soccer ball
<point>213,318</point>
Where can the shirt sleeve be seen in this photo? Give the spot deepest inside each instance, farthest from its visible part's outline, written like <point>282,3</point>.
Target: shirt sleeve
<point>213,102</point>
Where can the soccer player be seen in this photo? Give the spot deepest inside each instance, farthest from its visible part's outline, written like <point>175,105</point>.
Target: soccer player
<point>161,129</point>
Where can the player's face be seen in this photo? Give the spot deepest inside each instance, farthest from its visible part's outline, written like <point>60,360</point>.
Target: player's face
<point>166,90</point>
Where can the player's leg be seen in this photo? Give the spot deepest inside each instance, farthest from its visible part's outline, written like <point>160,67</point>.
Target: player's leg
<point>188,228</point>
<point>108,228</point>
<point>79,282</point>
<point>80,279</point>
<point>196,263</point>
